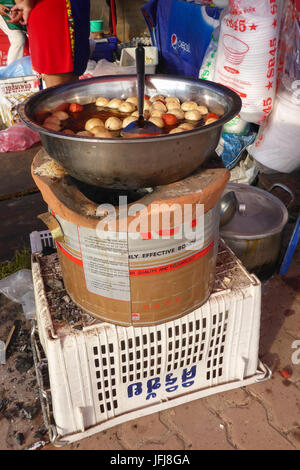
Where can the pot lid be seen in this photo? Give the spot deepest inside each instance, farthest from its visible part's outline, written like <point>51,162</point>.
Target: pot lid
<point>258,213</point>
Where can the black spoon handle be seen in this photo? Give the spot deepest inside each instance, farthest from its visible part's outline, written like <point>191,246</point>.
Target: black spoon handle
<point>140,70</point>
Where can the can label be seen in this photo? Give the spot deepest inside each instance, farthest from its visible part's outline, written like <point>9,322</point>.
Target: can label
<point>110,259</point>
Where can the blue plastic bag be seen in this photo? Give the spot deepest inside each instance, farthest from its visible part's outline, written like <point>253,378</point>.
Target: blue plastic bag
<point>232,146</point>
<point>181,31</point>
<point>19,68</point>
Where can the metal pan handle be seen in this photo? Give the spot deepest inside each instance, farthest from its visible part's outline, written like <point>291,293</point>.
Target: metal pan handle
<point>285,188</point>
<point>140,70</point>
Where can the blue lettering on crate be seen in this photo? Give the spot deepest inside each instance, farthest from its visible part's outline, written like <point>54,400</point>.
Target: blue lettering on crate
<point>171,384</point>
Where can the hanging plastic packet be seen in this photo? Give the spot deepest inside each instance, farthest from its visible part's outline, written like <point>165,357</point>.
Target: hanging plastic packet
<point>247,55</point>
<point>237,126</point>
<point>231,148</point>
<point>207,72</point>
<point>236,134</point>
<point>207,69</point>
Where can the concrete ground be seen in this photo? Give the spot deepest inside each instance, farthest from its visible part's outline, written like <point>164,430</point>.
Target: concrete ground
<point>260,416</point>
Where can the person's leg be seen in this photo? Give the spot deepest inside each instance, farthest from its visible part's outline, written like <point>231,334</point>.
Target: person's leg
<point>59,79</point>
<point>16,39</point>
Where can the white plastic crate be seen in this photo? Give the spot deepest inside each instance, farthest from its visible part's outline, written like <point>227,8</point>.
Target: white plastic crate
<point>104,374</point>
<point>41,240</point>
<point>127,59</point>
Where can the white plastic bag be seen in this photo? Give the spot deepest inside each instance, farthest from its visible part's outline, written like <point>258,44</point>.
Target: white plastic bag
<point>247,55</point>
<point>18,137</point>
<point>18,287</point>
<point>104,67</point>
<point>207,69</point>
<point>278,141</point>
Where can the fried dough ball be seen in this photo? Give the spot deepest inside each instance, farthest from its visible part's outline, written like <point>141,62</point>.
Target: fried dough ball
<point>186,126</point>
<point>103,133</point>
<point>169,99</point>
<point>133,100</point>
<point>85,133</point>
<point>61,115</point>
<point>157,121</point>
<point>113,123</point>
<point>95,130</point>
<point>156,113</point>
<point>156,97</point>
<point>147,105</point>
<point>177,112</point>
<point>193,115</point>
<point>158,105</point>
<point>127,107</point>
<point>93,122</point>
<point>136,114</point>
<point>102,101</point>
<point>173,105</point>
<point>115,103</point>
<point>176,130</point>
<point>52,123</point>
<point>128,120</point>
<point>202,109</point>
<point>52,119</point>
<point>210,120</point>
<point>51,126</point>
<point>147,108</point>
<point>188,105</point>
<point>68,131</point>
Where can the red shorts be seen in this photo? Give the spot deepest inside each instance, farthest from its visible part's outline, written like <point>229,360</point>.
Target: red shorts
<point>51,32</point>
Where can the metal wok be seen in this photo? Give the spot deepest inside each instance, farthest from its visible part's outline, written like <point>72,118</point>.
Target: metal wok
<point>132,163</point>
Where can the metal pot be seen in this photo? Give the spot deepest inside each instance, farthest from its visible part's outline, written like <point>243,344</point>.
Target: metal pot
<point>132,163</point>
<point>255,231</point>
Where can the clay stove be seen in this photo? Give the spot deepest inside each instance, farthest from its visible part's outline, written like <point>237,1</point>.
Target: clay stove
<point>131,281</point>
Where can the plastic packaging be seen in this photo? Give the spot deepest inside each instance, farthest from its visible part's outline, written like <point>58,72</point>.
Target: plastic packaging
<point>18,137</point>
<point>19,68</point>
<point>289,50</point>
<point>231,148</point>
<point>105,67</point>
<point>237,126</point>
<point>247,55</point>
<point>13,91</point>
<point>207,69</point>
<point>278,141</point>
<point>207,72</point>
<point>18,287</point>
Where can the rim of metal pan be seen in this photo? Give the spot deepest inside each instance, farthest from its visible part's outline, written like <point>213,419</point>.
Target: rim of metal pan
<point>37,98</point>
